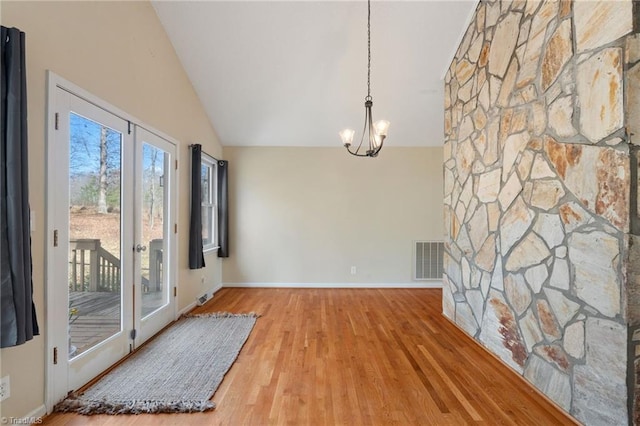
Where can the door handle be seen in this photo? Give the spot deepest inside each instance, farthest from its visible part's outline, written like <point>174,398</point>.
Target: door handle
<point>140,248</point>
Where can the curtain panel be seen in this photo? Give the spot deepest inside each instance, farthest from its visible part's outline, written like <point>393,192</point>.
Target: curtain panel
<point>18,322</point>
<point>196,252</point>
<point>223,209</point>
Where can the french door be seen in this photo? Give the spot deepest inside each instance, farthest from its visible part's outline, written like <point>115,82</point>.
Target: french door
<point>111,238</point>
<point>155,186</point>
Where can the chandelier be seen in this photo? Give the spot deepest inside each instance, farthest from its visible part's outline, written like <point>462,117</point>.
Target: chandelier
<point>375,132</point>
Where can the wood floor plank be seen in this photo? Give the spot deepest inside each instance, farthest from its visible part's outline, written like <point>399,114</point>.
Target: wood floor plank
<point>354,357</point>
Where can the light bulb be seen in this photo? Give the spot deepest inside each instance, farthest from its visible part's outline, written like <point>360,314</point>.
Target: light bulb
<point>347,136</point>
<point>382,127</point>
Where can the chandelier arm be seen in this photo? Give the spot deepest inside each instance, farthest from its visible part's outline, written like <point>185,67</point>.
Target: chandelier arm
<point>377,150</point>
<point>357,150</point>
<point>356,153</point>
<point>367,130</point>
<point>371,134</point>
<point>364,129</point>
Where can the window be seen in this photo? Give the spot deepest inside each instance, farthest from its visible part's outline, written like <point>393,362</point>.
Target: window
<point>208,175</point>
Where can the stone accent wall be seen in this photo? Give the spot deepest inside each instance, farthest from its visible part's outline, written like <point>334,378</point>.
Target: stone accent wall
<point>537,196</point>
<point>632,113</point>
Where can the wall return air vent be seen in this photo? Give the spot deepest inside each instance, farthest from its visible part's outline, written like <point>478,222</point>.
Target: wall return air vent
<point>428,263</point>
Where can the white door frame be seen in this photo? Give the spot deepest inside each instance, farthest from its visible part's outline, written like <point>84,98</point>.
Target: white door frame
<point>56,380</point>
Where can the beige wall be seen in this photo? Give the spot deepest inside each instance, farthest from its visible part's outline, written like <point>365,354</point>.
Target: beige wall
<point>306,215</point>
<point>119,52</point>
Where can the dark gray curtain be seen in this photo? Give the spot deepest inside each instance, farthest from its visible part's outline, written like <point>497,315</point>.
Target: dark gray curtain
<point>223,209</point>
<point>17,311</point>
<point>196,253</point>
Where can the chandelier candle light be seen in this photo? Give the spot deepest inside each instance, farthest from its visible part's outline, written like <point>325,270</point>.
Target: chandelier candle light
<point>376,132</point>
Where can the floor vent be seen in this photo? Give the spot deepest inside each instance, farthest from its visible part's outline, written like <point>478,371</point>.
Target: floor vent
<point>428,260</point>
<point>202,299</point>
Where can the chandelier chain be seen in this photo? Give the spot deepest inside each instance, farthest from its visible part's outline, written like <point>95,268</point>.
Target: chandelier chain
<point>369,50</point>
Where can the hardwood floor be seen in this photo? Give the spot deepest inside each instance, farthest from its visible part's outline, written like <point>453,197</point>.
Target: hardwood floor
<point>354,357</point>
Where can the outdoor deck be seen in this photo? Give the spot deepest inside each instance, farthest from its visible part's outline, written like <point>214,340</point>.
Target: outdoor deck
<point>99,316</point>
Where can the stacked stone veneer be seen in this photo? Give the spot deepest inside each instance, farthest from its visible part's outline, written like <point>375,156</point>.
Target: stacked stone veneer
<point>537,196</point>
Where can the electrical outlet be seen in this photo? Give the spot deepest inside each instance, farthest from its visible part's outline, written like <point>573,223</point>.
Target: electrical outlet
<point>5,388</point>
<point>354,270</point>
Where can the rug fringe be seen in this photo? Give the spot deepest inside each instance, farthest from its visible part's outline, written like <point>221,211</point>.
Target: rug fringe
<point>222,315</point>
<point>90,407</point>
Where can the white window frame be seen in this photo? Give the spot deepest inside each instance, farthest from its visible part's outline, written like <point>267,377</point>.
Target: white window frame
<point>210,201</point>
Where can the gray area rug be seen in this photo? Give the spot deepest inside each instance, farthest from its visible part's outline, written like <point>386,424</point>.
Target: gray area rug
<point>177,372</point>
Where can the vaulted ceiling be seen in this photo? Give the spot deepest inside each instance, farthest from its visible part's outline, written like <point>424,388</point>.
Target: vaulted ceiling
<point>294,73</point>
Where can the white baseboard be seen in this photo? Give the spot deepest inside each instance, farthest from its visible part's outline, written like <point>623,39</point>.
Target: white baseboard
<point>187,308</point>
<point>420,284</point>
<point>34,417</point>
<point>210,293</point>
<point>215,289</point>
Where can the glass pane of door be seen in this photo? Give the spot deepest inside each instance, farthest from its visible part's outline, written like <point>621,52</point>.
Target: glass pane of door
<point>95,224</point>
<point>155,294</point>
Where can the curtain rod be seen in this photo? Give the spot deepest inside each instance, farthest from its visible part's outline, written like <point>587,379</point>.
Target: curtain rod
<point>214,158</point>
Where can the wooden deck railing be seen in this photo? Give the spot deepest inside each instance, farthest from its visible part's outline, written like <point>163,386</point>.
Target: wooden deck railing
<point>92,268</point>
<point>155,266</point>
